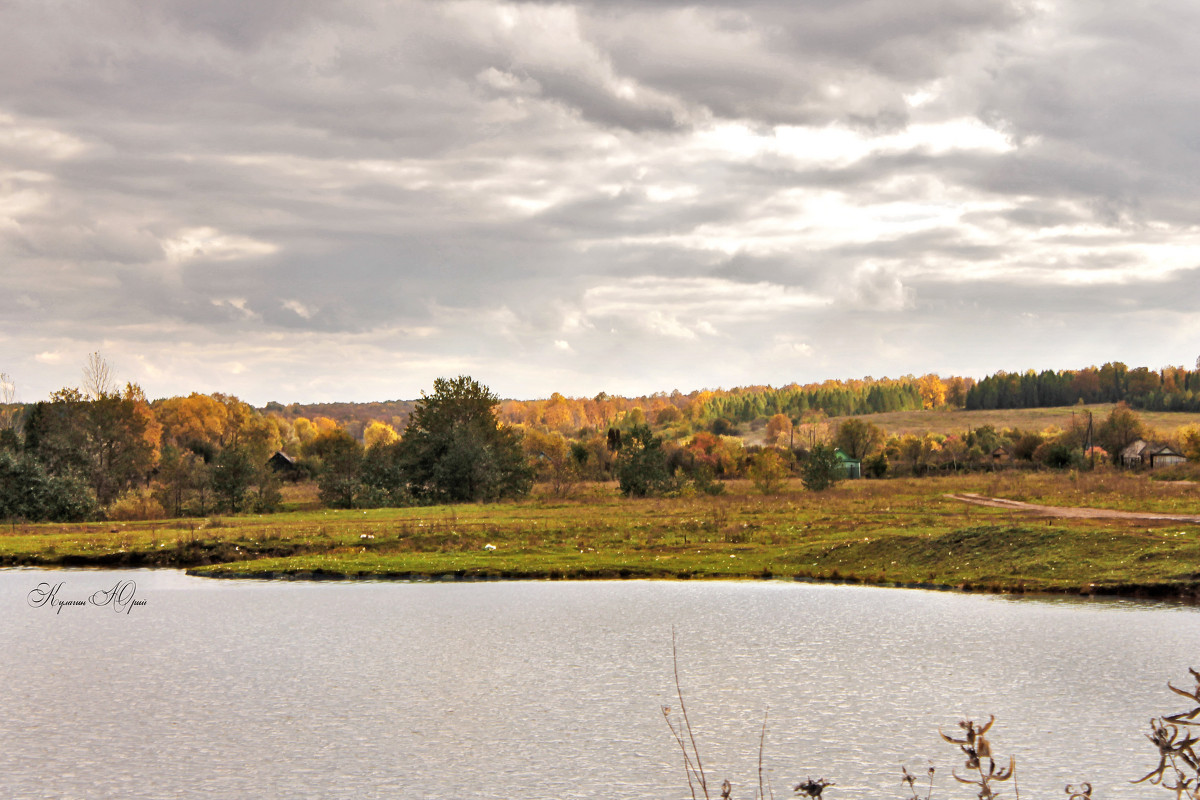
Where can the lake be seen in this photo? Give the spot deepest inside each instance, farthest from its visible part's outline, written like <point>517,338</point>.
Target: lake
<point>249,689</point>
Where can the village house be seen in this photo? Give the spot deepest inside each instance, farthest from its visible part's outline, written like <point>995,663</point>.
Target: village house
<point>1141,453</point>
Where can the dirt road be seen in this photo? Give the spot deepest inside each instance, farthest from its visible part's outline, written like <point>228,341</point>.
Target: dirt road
<point>1070,513</point>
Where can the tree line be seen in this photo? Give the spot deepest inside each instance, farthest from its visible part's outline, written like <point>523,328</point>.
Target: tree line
<point>101,450</point>
<point>1165,389</point>
<point>97,450</point>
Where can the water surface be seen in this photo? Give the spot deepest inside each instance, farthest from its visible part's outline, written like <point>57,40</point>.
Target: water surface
<point>246,689</point>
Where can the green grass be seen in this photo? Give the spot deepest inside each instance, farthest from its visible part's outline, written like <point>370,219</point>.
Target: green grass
<point>889,532</point>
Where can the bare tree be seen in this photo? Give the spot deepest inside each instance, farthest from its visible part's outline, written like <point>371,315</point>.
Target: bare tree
<point>8,396</point>
<point>98,378</point>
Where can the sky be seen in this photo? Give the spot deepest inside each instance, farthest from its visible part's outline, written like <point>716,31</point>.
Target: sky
<point>307,201</point>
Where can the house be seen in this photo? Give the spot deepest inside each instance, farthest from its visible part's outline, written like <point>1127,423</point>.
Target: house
<point>1141,453</point>
<point>852,466</point>
<point>284,466</point>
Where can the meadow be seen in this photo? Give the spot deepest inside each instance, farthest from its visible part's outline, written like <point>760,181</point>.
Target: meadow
<point>956,422</point>
<point>905,532</point>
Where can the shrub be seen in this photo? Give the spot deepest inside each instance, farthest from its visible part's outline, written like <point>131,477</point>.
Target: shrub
<point>768,471</point>
<point>135,505</point>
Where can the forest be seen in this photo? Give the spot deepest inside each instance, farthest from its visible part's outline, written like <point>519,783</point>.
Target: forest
<point>99,451</point>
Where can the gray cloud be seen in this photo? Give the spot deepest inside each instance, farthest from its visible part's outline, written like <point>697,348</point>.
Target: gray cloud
<point>345,200</point>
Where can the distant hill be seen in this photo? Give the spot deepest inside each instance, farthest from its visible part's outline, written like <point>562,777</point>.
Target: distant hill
<point>354,417</point>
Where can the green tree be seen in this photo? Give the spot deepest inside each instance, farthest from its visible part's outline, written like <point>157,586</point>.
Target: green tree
<point>382,480</point>
<point>180,474</point>
<point>232,475</point>
<point>642,464</point>
<point>821,468</point>
<point>27,492</point>
<point>110,441</point>
<point>455,449</point>
<point>341,465</point>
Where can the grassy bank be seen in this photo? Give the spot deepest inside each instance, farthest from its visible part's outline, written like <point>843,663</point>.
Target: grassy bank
<point>903,532</point>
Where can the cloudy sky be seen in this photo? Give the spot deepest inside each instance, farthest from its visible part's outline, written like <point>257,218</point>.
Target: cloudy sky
<point>298,200</point>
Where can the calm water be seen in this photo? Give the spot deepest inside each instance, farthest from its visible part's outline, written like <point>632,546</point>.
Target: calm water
<point>217,689</point>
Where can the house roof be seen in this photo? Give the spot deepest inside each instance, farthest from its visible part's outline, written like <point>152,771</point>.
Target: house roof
<point>1140,448</point>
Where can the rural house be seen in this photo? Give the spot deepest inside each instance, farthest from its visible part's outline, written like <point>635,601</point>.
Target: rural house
<point>1150,454</point>
<point>284,465</point>
<point>851,466</point>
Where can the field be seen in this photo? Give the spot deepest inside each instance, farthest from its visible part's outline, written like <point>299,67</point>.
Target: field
<point>895,532</point>
<point>1032,419</point>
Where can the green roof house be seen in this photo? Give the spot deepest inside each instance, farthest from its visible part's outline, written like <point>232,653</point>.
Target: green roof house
<point>852,466</point>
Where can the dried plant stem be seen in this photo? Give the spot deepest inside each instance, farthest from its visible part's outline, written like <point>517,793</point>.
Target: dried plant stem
<point>698,769</point>
<point>762,739</point>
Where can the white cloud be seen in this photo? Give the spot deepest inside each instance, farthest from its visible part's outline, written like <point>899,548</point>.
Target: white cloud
<point>298,308</point>
<point>213,245</point>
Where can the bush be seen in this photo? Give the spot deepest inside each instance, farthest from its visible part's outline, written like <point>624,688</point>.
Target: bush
<point>135,505</point>
<point>768,471</point>
<point>876,466</point>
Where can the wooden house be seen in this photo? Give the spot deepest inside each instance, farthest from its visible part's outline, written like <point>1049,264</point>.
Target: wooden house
<point>852,466</point>
<point>1141,453</point>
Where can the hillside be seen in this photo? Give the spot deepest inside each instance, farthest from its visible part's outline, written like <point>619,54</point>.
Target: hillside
<point>958,421</point>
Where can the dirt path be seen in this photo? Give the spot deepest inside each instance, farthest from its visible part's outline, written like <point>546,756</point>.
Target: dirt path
<point>1070,513</point>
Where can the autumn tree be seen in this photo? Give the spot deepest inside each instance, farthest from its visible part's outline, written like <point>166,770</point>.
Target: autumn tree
<point>378,433</point>
<point>1120,429</point>
<point>858,438</point>
<point>111,441</point>
<point>779,430</point>
<point>551,458</point>
<point>768,471</point>
<point>196,422</point>
<point>933,391</point>
<point>456,450</point>
<point>956,391</point>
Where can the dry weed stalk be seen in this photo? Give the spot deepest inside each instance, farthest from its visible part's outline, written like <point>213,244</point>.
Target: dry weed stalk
<point>694,769</point>
<point>1178,767</point>
<point>978,751</point>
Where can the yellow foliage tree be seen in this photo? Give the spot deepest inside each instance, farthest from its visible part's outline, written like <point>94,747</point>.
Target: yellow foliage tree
<point>195,418</point>
<point>933,391</point>
<point>379,433</point>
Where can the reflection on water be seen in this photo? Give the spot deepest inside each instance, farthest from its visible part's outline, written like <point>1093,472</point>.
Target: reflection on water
<point>553,690</point>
